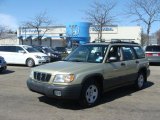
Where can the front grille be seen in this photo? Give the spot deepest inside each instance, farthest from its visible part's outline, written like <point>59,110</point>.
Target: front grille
<point>46,57</point>
<point>44,77</point>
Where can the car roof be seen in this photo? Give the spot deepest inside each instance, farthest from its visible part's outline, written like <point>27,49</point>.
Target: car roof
<point>113,43</point>
<point>17,45</point>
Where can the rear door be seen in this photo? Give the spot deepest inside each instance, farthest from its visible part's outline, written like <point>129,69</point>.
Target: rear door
<point>114,70</point>
<point>131,64</point>
<point>8,53</point>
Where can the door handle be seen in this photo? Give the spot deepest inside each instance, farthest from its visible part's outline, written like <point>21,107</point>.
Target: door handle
<point>123,64</point>
<point>137,62</point>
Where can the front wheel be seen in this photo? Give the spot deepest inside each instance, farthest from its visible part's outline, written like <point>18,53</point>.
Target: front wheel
<point>30,62</point>
<point>140,82</point>
<point>90,94</point>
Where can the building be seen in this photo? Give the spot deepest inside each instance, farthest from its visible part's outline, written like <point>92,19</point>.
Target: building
<point>125,33</point>
<point>9,38</point>
<point>81,32</point>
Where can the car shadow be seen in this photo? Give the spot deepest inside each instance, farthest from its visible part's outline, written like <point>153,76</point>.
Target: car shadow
<point>154,64</point>
<point>106,98</point>
<point>16,65</point>
<point>121,92</point>
<point>7,72</point>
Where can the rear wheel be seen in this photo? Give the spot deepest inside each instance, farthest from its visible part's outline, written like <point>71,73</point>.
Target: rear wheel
<point>90,94</point>
<point>140,82</point>
<point>3,69</point>
<point>30,62</point>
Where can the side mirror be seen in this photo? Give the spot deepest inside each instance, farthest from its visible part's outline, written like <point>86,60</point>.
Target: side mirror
<point>112,59</point>
<point>21,51</point>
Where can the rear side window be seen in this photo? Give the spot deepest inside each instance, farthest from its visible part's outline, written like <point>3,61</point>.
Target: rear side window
<point>2,48</point>
<point>153,48</point>
<point>8,48</point>
<point>128,53</point>
<point>139,51</point>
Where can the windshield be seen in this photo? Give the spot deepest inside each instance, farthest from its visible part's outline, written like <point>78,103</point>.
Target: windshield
<point>48,50</point>
<point>30,49</point>
<point>88,53</point>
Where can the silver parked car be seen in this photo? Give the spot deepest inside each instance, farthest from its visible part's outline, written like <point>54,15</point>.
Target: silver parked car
<point>3,65</point>
<point>153,53</point>
<point>90,70</point>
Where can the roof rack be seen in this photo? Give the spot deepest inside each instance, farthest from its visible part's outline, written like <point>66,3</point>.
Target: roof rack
<point>120,41</point>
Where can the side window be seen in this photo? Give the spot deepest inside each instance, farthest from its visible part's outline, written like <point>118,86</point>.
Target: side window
<point>115,53</point>
<point>7,48</point>
<point>128,53</point>
<point>139,52</point>
<point>2,48</point>
<point>10,48</point>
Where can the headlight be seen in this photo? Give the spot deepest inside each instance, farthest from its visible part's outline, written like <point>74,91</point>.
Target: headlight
<point>49,54</point>
<point>65,78</point>
<point>54,55</point>
<point>37,56</point>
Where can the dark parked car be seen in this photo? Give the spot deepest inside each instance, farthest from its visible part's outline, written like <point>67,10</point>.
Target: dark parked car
<point>3,65</point>
<point>61,50</point>
<point>54,56</point>
<point>153,53</point>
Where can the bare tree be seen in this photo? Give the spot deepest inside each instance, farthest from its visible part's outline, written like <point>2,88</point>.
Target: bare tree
<point>158,37</point>
<point>145,11</point>
<point>144,38</point>
<point>5,32</point>
<point>99,14</point>
<point>2,31</point>
<point>39,22</point>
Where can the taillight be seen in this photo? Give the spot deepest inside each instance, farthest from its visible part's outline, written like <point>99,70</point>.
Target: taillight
<point>158,54</point>
<point>148,54</point>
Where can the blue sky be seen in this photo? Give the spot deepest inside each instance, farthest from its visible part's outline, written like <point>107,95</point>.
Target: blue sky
<point>14,12</point>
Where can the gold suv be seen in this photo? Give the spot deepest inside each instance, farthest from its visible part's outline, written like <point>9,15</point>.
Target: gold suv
<point>91,70</point>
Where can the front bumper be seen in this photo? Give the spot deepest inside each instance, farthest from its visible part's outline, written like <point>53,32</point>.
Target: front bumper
<point>154,59</point>
<point>67,91</point>
<point>148,72</point>
<point>39,62</point>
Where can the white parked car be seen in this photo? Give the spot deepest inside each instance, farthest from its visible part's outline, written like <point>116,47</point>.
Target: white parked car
<point>22,54</point>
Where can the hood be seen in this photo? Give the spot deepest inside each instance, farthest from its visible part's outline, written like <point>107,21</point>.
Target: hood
<point>67,67</point>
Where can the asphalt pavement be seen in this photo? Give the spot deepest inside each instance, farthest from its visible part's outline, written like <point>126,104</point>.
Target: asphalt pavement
<point>18,103</point>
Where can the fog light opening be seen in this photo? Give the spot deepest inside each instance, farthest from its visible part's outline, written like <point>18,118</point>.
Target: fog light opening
<point>57,93</point>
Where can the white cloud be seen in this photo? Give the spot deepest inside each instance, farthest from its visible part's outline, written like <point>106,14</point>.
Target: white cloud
<point>9,21</point>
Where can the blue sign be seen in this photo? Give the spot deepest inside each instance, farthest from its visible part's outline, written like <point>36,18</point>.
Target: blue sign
<point>78,31</point>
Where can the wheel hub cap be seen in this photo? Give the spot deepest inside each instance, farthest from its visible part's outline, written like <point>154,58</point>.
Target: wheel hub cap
<point>140,81</point>
<point>91,94</point>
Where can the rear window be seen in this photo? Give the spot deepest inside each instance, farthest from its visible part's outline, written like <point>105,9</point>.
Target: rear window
<point>153,48</point>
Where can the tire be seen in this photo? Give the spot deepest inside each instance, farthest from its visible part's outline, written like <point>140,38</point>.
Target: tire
<point>3,69</point>
<point>140,82</point>
<point>90,94</point>
<point>30,62</point>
